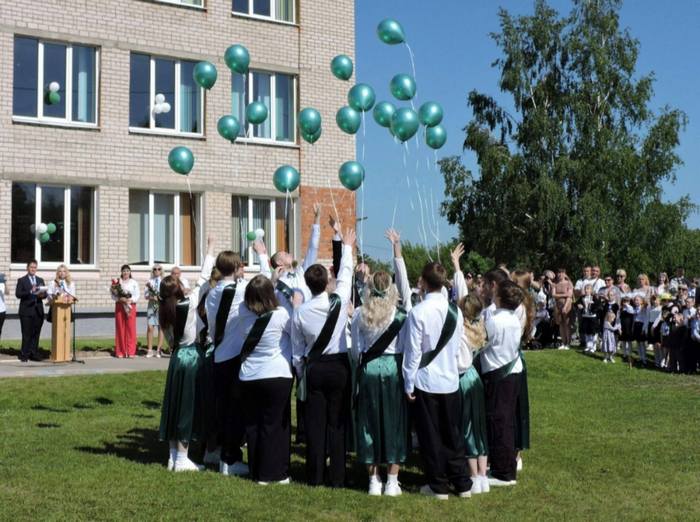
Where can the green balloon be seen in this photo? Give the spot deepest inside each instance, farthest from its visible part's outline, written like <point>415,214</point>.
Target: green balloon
<point>361,97</point>
<point>50,228</point>
<point>348,119</point>
<point>430,114</point>
<point>312,138</point>
<point>351,175</point>
<point>53,98</point>
<point>435,136</point>
<point>44,238</point>
<point>390,32</point>
<point>404,123</point>
<point>204,74</point>
<point>250,235</point>
<point>181,160</point>
<point>341,67</point>
<point>309,121</point>
<point>237,58</point>
<point>228,127</point>
<point>383,112</point>
<point>286,179</point>
<point>256,112</point>
<point>403,87</point>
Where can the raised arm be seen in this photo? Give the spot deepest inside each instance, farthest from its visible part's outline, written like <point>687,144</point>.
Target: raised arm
<point>260,249</point>
<point>459,283</point>
<point>343,286</point>
<point>337,244</point>
<point>400,272</point>
<point>207,264</point>
<point>315,240</point>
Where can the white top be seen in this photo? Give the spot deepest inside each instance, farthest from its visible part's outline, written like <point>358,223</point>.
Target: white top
<point>3,306</point>
<point>60,288</point>
<point>309,318</point>
<point>465,356</point>
<point>653,315</point>
<point>227,349</point>
<point>689,313</point>
<point>402,283</point>
<point>460,285</point>
<point>425,323</point>
<point>130,286</point>
<point>202,287</point>
<point>640,314</point>
<point>597,283</point>
<point>155,283</point>
<point>503,346</point>
<point>294,279</point>
<point>272,356</point>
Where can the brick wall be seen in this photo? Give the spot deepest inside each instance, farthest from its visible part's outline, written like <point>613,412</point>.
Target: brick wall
<point>114,160</point>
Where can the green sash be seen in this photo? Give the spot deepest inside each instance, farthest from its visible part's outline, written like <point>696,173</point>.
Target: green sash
<point>222,313</point>
<point>284,289</point>
<point>448,329</point>
<point>256,332</point>
<point>324,337</point>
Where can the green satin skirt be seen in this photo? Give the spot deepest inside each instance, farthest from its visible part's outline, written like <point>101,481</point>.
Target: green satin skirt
<point>381,412</point>
<point>181,415</point>
<point>471,391</point>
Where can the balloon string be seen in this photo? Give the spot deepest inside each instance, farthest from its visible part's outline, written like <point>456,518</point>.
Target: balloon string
<point>335,209</point>
<point>393,216</point>
<point>422,220</point>
<point>363,136</point>
<point>362,223</point>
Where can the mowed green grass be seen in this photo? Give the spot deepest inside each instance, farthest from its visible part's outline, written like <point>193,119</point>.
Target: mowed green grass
<point>609,443</point>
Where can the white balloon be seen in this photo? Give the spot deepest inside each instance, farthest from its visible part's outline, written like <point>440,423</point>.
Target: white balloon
<point>158,108</point>
<point>165,107</point>
<point>42,227</point>
<point>160,98</point>
<point>54,86</point>
<point>259,233</point>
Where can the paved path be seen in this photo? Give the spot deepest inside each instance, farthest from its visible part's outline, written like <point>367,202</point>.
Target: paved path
<point>93,365</point>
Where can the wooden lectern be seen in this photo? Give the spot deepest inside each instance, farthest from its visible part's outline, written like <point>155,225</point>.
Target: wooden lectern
<point>60,331</point>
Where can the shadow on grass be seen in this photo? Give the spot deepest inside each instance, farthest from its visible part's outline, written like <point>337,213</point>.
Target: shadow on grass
<point>42,407</point>
<point>103,401</point>
<point>151,405</point>
<point>138,445</point>
<point>48,425</point>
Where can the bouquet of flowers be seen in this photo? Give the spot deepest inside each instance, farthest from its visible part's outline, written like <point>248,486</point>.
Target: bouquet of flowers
<point>153,295</point>
<point>118,292</point>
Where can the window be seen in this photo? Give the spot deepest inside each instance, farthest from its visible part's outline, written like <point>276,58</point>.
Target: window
<point>189,3</point>
<point>164,228</point>
<point>42,65</point>
<point>69,214</point>
<point>280,10</point>
<point>274,216</point>
<point>280,124</point>
<point>153,78</point>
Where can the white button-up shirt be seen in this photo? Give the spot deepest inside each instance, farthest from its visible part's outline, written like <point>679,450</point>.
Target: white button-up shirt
<point>130,286</point>
<point>229,347</point>
<point>425,323</point>
<point>309,318</point>
<point>504,331</point>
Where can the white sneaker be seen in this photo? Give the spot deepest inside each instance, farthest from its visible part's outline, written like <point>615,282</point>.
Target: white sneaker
<point>485,488</point>
<point>464,494</point>
<point>428,492</point>
<point>236,469</point>
<point>562,347</point>
<point>392,489</point>
<point>149,354</point>
<point>375,487</point>
<point>518,464</point>
<point>171,464</point>
<point>212,457</point>
<point>493,481</point>
<point>284,481</point>
<point>476,486</point>
<point>159,354</point>
<point>186,465</point>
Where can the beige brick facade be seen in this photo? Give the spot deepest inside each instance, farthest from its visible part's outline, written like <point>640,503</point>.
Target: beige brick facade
<point>113,160</point>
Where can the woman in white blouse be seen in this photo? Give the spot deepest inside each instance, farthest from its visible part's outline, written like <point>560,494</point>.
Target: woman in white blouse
<point>125,314</point>
<point>263,328</point>
<point>62,288</point>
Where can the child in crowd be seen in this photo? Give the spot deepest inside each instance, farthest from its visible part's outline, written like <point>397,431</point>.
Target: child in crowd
<point>654,328</point>
<point>542,324</point>
<point>674,340</point>
<point>588,305</point>
<point>609,343</point>
<point>626,325</point>
<point>639,328</point>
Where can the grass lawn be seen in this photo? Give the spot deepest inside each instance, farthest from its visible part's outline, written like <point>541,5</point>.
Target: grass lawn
<point>609,443</point>
<point>83,344</point>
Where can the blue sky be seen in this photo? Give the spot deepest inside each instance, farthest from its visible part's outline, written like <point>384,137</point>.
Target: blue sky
<point>453,55</point>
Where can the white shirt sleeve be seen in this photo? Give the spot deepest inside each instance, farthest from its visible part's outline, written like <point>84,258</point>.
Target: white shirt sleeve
<point>265,269</point>
<point>344,282</point>
<point>312,251</point>
<point>412,353</point>
<point>207,267</point>
<point>134,291</point>
<point>298,343</point>
<point>402,284</point>
<point>460,285</point>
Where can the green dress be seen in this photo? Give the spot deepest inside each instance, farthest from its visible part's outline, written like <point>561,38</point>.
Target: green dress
<point>471,391</point>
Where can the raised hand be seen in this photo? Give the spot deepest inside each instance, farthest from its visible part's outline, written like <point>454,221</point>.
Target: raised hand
<point>395,239</point>
<point>335,225</point>
<point>317,213</point>
<point>259,247</point>
<point>349,237</point>
<point>456,254</point>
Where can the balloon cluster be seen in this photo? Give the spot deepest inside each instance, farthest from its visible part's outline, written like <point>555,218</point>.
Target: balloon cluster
<point>255,235</point>
<point>161,106</point>
<point>52,96</point>
<point>43,231</point>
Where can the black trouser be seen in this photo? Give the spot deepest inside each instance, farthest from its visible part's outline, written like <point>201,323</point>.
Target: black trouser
<point>301,431</point>
<point>690,356</point>
<point>267,415</point>
<point>326,414</point>
<point>228,405</point>
<point>441,441</point>
<point>2,321</point>
<point>31,330</point>
<point>501,402</point>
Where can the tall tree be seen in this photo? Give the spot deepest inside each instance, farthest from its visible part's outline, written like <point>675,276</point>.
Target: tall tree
<point>573,172</point>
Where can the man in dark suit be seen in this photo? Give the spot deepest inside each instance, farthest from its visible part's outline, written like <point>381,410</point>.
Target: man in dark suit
<point>31,311</point>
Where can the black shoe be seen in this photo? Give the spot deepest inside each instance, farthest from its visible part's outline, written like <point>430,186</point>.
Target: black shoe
<point>35,358</point>
<point>23,359</point>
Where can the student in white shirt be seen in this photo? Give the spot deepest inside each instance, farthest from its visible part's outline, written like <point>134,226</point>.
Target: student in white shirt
<point>500,371</point>
<point>222,305</point>
<point>3,307</point>
<point>381,411</point>
<point>323,363</point>
<point>125,314</point>
<point>180,420</point>
<point>431,382</point>
<point>152,293</point>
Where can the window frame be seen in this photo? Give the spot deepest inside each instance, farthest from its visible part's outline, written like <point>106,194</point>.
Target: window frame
<point>175,105</point>
<point>68,87</point>
<point>66,228</point>
<point>271,111</point>
<point>177,240</point>
<point>273,13</point>
<point>271,242</point>
<point>180,4</point>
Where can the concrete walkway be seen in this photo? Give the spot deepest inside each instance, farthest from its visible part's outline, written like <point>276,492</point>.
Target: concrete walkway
<point>92,366</point>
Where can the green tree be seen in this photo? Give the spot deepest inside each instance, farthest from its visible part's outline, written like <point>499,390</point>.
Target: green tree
<point>573,174</point>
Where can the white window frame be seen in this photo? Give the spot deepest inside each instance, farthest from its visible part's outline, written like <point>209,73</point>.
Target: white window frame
<point>273,13</point>
<point>198,197</point>
<point>175,105</point>
<point>271,111</point>
<point>68,120</point>
<point>182,4</point>
<point>66,229</point>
